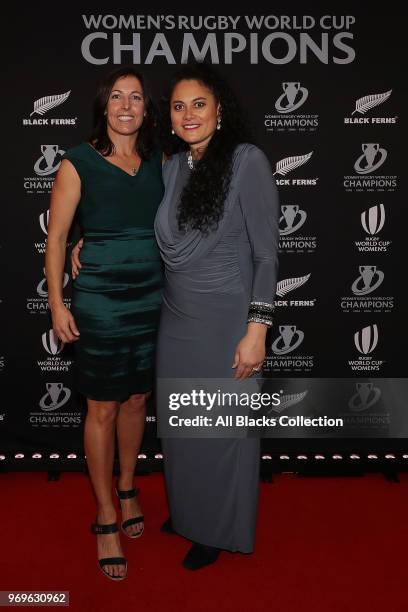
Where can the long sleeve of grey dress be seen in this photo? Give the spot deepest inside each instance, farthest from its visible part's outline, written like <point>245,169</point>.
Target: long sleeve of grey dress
<point>214,285</point>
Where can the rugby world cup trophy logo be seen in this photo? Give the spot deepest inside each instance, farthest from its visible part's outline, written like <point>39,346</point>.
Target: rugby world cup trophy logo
<point>369,280</point>
<point>292,219</point>
<point>57,395</point>
<point>292,98</point>
<point>48,163</point>
<point>289,339</point>
<point>372,158</point>
<point>367,395</point>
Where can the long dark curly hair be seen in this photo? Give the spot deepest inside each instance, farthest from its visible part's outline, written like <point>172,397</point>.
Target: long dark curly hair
<point>201,204</point>
<point>99,136</point>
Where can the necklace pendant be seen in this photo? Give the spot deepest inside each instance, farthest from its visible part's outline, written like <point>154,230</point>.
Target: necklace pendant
<point>190,161</point>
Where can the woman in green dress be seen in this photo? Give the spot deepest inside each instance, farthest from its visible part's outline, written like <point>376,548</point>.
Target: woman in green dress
<point>114,182</point>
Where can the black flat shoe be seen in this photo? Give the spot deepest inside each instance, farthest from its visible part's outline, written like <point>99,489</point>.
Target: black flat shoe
<point>167,527</point>
<point>132,521</point>
<point>200,555</point>
<point>97,529</point>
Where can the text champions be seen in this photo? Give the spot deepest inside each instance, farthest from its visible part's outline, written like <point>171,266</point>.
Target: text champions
<point>273,39</point>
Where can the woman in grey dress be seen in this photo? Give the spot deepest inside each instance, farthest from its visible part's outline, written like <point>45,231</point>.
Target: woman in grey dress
<point>217,230</point>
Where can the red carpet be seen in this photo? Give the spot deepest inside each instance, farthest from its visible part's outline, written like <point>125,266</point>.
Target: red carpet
<point>323,544</point>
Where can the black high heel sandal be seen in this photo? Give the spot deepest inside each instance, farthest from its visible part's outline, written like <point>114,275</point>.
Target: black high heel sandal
<point>132,521</point>
<point>97,529</point>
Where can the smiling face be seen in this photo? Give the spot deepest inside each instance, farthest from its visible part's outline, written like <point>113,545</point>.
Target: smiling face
<point>126,108</point>
<point>194,112</point>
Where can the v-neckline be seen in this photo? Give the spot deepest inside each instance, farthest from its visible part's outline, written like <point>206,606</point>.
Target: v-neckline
<point>132,176</point>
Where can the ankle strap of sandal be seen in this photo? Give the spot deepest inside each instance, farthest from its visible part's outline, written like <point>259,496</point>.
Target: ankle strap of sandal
<point>98,528</point>
<point>127,494</point>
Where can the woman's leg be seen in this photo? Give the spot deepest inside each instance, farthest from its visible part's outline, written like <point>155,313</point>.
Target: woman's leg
<point>99,441</point>
<point>130,427</point>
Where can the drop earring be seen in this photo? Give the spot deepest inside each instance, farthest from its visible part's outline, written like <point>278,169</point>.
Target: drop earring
<point>173,132</point>
<point>218,123</point>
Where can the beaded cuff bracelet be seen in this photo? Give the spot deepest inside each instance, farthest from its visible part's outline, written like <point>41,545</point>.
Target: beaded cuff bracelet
<point>261,312</point>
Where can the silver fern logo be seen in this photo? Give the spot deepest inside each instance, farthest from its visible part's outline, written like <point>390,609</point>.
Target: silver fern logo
<point>289,339</point>
<point>41,287</point>
<point>363,105</point>
<point>292,98</point>
<point>286,401</point>
<point>51,343</point>
<point>43,105</point>
<point>369,280</point>
<point>366,339</point>
<point>50,160</point>
<point>373,219</point>
<point>57,395</point>
<point>365,397</point>
<point>372,158</point>
<point>288,164</point>
<point>292,219</point>
<point>290,284</point>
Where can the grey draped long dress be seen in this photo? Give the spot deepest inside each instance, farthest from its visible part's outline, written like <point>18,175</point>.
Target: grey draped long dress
<point>210,282</point>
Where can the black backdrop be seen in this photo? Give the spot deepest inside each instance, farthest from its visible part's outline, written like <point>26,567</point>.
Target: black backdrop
<point>324,92</point>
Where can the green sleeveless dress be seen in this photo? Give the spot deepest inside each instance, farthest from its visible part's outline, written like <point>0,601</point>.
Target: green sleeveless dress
<point>117,296</point>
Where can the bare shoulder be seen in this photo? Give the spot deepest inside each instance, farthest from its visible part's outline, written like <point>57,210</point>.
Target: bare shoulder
<point>67,170</point>
<point>67,177</point>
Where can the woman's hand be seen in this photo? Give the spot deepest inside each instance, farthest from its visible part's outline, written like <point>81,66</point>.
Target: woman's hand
<point>63,324</point>
<point>250,351</point>
<point>75,261</point>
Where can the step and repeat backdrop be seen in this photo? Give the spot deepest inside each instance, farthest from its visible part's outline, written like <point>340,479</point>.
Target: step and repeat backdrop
<point>325,94</point>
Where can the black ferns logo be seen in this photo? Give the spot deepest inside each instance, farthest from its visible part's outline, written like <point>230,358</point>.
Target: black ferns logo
<point>287,164</point>
<point>368,102</point>
<point>43,105</point>
<point>290,284</point>
<point>286,401</point>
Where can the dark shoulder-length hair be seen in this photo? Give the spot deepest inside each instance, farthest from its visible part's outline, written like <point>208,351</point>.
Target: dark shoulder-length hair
<point>201,203</point>
<point>99,136</point>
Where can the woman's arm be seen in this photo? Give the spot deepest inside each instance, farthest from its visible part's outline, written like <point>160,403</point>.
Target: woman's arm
<point>260,208</point>
<point>65,196</point>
